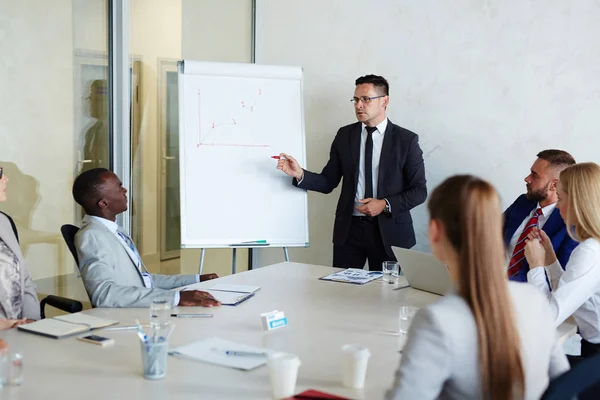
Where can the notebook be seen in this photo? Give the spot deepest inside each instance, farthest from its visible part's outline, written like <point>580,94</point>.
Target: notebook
<point>66,325</point>
<point>213,350</point>
<point>353,275</point>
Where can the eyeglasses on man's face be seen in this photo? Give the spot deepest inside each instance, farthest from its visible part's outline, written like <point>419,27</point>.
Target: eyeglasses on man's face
<point>365,99</point>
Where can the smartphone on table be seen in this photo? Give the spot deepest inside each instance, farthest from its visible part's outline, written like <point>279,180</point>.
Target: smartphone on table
<point>96,339</point>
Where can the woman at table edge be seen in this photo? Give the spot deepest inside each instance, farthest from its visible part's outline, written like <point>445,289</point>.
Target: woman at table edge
<point>490,338</point>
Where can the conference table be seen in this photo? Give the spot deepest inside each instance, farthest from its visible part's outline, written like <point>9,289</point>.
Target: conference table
<point>323,316</point>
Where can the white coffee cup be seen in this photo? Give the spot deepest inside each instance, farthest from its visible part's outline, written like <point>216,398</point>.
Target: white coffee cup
<point>283,370</point>
<point>355,359</point>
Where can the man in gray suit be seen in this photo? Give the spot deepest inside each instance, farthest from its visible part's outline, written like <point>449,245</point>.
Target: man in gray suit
<point>110,264</point>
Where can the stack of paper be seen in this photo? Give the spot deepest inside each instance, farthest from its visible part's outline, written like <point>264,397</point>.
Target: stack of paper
<point>214,351</point>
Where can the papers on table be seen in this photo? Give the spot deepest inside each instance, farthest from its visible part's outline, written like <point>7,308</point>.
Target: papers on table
<point>229,298</point>
<point>213,351</point>
<point>228,295</point>
<point>235,288</point>
<point>353,275</point>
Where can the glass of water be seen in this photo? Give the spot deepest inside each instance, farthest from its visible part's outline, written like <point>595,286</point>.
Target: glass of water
<point>4,367</point>
<point>160,313</point>
<point>406,315</point>
<point>390,270</point>
<point>11,368</point>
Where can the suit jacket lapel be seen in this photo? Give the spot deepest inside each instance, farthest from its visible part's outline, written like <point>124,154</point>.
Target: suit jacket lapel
<point>7,235</point>
<point>355,136</point>
<point>516,218</point>
<point>554,223</point>
<point>99,225</point>
<point>387,150</point>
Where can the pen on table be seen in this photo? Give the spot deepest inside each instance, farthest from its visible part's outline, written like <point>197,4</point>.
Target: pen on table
<point>121,328</point>
<point>401,287</point>
<point>192,315</point>
<point>244,353</point>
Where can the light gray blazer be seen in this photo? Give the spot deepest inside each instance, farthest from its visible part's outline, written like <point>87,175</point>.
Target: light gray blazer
<point>441,360</point>
<point>31,304</point>
<point>111,277</point>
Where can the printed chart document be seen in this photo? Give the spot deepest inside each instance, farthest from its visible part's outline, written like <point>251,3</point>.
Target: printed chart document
<point>353,275</point>
<point>214,351</point>
<point>66,325</point>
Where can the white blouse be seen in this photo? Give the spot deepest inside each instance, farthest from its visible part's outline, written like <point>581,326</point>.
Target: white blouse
<point>576,290</point>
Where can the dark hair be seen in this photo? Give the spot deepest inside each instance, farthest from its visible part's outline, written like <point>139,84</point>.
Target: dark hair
<point>469,210</point>
<point>378,81</point>
<point>557,158</point>
<point>86,188</point>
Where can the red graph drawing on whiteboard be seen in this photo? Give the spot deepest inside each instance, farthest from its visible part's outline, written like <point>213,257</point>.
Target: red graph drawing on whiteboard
<point>215,127</point>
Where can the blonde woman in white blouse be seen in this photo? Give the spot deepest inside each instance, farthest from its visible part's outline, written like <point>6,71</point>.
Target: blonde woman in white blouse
<point>576,289</point>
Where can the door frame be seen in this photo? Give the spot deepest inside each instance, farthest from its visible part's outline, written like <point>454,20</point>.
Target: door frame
<point>165,65</point>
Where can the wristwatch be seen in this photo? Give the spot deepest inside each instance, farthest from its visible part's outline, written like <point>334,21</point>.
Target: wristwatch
<point>387,207</point>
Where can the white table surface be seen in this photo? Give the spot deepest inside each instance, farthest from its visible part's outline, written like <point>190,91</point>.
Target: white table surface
<point>322,317</point>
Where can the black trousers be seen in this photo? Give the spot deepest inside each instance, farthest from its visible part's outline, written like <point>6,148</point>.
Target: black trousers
<point>587,350</point>
<point>363,243</point>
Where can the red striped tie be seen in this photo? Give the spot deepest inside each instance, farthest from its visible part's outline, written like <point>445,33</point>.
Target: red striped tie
<point>518,255</point>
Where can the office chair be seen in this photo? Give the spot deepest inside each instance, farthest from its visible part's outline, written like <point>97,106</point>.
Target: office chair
<point>68,233</point>
<point>62,303</point>
<point>576,381</point>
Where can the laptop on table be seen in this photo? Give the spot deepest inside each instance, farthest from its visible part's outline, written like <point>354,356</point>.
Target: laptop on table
<point>423,271</point>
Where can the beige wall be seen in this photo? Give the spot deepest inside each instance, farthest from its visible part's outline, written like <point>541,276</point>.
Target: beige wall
<point>37,137</point>
<point>39,73</point>
<point>174,29</point>
<point>216,31</point>
<point>155,33</point>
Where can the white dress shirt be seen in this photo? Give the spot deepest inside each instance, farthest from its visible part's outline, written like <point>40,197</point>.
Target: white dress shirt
<point>546,212</point>
<point>146,277</point>
<point>378,136</point>
<point>575,290</point>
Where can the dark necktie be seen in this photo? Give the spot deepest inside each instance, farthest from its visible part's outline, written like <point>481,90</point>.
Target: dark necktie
<point>518,255</point>
<point>369,162</point>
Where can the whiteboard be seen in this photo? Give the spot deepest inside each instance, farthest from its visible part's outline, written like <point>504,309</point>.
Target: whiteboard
<point>233,118</point>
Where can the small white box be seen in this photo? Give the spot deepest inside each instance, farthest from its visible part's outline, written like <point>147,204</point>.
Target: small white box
<point>273,320</point>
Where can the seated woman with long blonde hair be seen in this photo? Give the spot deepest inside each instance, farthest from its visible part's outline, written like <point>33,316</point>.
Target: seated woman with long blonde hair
<point>576,289</point>
<point>491,339</point>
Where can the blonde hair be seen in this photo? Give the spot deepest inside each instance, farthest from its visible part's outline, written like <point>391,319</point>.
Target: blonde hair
<point>469,209</point>
<point>581,182</point>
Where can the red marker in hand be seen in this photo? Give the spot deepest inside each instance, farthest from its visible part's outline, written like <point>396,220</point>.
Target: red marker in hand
<point>278,158</point>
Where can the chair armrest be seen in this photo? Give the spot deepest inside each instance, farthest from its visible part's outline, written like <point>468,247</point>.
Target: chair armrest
<point>62,303</point>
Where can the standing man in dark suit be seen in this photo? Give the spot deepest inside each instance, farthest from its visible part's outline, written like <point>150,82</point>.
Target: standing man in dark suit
<point>537,208</point>
<point>384,178</point>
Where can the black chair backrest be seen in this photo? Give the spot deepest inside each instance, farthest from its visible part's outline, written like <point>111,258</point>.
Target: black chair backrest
<point>68,233</point>
<point>582,376</point>
<point>12,224</point>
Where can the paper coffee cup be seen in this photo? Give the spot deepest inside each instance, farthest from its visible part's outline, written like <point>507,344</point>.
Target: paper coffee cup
<point>355,359</point>
<point>283,371</point>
